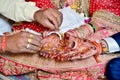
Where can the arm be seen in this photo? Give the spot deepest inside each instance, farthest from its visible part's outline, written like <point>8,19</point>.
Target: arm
<point>84,30</point>
<point>18,10</point>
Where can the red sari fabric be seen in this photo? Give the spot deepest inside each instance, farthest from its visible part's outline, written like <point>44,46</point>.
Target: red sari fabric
<point>43,3</point>
<point>108,5</point>
<point>46,69</point>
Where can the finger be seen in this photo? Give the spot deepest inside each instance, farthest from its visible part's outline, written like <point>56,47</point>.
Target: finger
<point>49,24</point>
<point>71,53</point>
<point>35,37</point>
<point>76,52</point>
<point>59,16</point>
<point>82,56</point>
<point>33,47</point>
<point>45,54</point>
<point>87,53</point>
<point>44,20</point>
<point>30,51</point>
<point>27,49</point>
<point>53,19</point>
<point>30,48</point>
<point>33,42</point>
<point>71,33</point>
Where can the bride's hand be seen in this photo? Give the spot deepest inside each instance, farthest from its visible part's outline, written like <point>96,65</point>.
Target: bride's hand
<point>49,44</point>
<point>68,48</point>
<point>80,49</point>
<point>71,32</point>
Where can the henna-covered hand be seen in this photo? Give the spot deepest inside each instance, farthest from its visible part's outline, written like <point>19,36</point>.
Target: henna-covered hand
<point>68,48</point>
<point>49,45</point>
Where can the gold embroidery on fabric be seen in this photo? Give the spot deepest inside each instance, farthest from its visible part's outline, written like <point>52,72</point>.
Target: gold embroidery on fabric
<point>78,5</point>
<point>107,16</point>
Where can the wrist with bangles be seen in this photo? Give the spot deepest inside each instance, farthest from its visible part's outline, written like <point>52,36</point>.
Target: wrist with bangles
<point>85,30</point>
<point>95,26</point>
<point>92,26</point>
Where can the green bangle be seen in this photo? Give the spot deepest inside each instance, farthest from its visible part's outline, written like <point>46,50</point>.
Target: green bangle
<point>92,27</point>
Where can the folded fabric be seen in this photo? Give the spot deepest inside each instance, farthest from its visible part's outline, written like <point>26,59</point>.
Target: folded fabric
<point>71,19</point>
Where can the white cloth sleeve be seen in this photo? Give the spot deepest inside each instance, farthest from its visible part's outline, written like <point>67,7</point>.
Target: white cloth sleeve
<point>18,10</point>
<point>71,19</point>
<point>112,45</point>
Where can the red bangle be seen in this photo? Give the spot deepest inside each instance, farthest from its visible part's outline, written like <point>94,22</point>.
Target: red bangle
<point>4,44</point>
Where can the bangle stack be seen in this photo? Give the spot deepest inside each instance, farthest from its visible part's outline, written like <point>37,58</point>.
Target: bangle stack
<point>84,31</point>
<point>92,26</point>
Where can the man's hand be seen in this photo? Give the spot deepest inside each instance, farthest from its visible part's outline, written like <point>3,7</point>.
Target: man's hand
<point>50,18</point>
<point>23,42</point>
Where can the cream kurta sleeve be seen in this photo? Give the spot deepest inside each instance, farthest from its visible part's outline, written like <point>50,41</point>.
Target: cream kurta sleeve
<point>18,10</point>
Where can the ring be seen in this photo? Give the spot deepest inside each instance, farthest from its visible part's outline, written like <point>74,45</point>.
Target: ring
<point>29,40</point>
<point>31,35</point>
<point>28,46</point>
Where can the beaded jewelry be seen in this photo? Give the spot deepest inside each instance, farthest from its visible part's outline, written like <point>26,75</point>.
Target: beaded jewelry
<point>3,44</point>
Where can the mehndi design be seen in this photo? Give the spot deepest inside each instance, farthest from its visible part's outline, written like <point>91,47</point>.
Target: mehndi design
<point>68,48</point>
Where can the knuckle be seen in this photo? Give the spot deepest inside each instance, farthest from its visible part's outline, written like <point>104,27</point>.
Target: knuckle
<point>22,33</point>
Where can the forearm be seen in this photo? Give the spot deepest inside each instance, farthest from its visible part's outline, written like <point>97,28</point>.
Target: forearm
<point>18,10</point>
<point>87,29</point>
